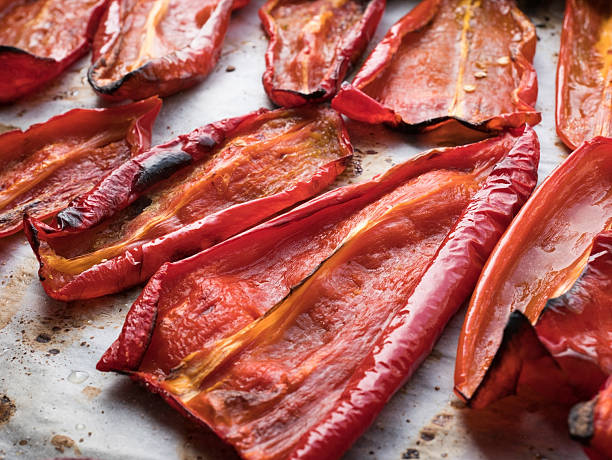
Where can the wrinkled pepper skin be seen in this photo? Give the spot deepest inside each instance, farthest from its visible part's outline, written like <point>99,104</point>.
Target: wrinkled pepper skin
<point>584,79</point>
<point>157,47</point>
<point>539,258</point>
<point>446,62</point>
<point>186,195</point>
<point>45,167</point>
<point>287,340</point>
<point>41,38</point>
<point>313,44</point>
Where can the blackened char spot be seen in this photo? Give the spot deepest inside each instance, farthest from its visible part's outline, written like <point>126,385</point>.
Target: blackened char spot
<point>208,142</point>
<point>580,421</point>
<point>69,218</point>
<point>160,167</point>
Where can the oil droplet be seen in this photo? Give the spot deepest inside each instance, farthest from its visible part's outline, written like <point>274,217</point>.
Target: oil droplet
<point>80,426</point>
<point>469,88</point>
<point>505,60</point>
<point>77,376</point>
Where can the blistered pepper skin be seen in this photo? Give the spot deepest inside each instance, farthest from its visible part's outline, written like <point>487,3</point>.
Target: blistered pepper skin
<point>313,45</point>
<point>27,64</point>
<point>157,47</point>
<point>188,194</point>
<point>51,163</point>
<point>406,81</point>
<point>230,310</point>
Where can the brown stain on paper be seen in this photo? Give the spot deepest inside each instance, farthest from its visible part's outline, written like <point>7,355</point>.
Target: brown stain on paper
<point>7,409</point>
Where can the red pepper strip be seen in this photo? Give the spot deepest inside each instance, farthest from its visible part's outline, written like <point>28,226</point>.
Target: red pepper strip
<point>584,77</point>
<point>306,378</point>
<point>51,163</point>
<point>449,61</point>
<point>591,424</point>
<point>313,44</point>
<point>147,47</point>
<point>541,255</point>
<point>187,195</point>
<point>39,39</point>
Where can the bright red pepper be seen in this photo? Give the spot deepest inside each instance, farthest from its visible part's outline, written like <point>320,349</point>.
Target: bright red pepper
<point>313,44</point>
<point>540,257</point>
<point>41,38</point>
<point>149,47</point>
<point>51,163</point>
<point>186,195</point>
<point>449,62</point>
<point>584,80</point>
<point>288,339</point>
<point>566,357</point>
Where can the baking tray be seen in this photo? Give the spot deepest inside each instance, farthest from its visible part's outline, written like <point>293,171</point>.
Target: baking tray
<point>54,403</point>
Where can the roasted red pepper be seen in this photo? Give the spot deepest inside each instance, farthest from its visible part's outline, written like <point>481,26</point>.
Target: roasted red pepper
<point>287,340</point>
<point>147,47</point>
<point>186,195</point>
<point>39,39</point>
<point>584,77</point>
<point>540,257</point>
<point>313,44</point>
<point>51,163</point>
<point>566,357</point>
<point>449,61</point>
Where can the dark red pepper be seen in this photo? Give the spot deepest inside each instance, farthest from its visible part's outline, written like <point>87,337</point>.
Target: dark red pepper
<point>584,77</point>
<point>287,340</point>
<point>449,62</point>
<point>51,163</point>
<point>149,47</point>
<point>313,44</point>
<point>186,195</point>
<point>39,39</point>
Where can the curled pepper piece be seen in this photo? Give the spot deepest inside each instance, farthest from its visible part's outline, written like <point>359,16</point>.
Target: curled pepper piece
<point>143,48</point>
<point>288,339</point>
<point>449,62</point>
<point>51,163</point>
<point>584,76</point>
<point>540,257</point>
<point>186,195</point>
<point>41,38</point>
<point>313,44</point>
<point>569,347</point>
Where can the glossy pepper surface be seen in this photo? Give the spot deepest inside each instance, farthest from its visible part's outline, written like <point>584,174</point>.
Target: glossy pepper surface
<point>186,195</point>
<point>39,39</point>
<point>449,61</point>
<point>540,256</point>
<point>566,356</point>
<point>143,48</point>
<point>46,166</point>
<point>288,339</point>
<point>584,76</point>
<point>313,44</point>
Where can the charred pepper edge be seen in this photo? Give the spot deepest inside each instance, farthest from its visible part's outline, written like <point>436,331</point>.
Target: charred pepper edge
<point>112,89</point>
<point>360,35</point>
<point>551,181</point>
<point>332,198</point>
<point>389,46</point>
